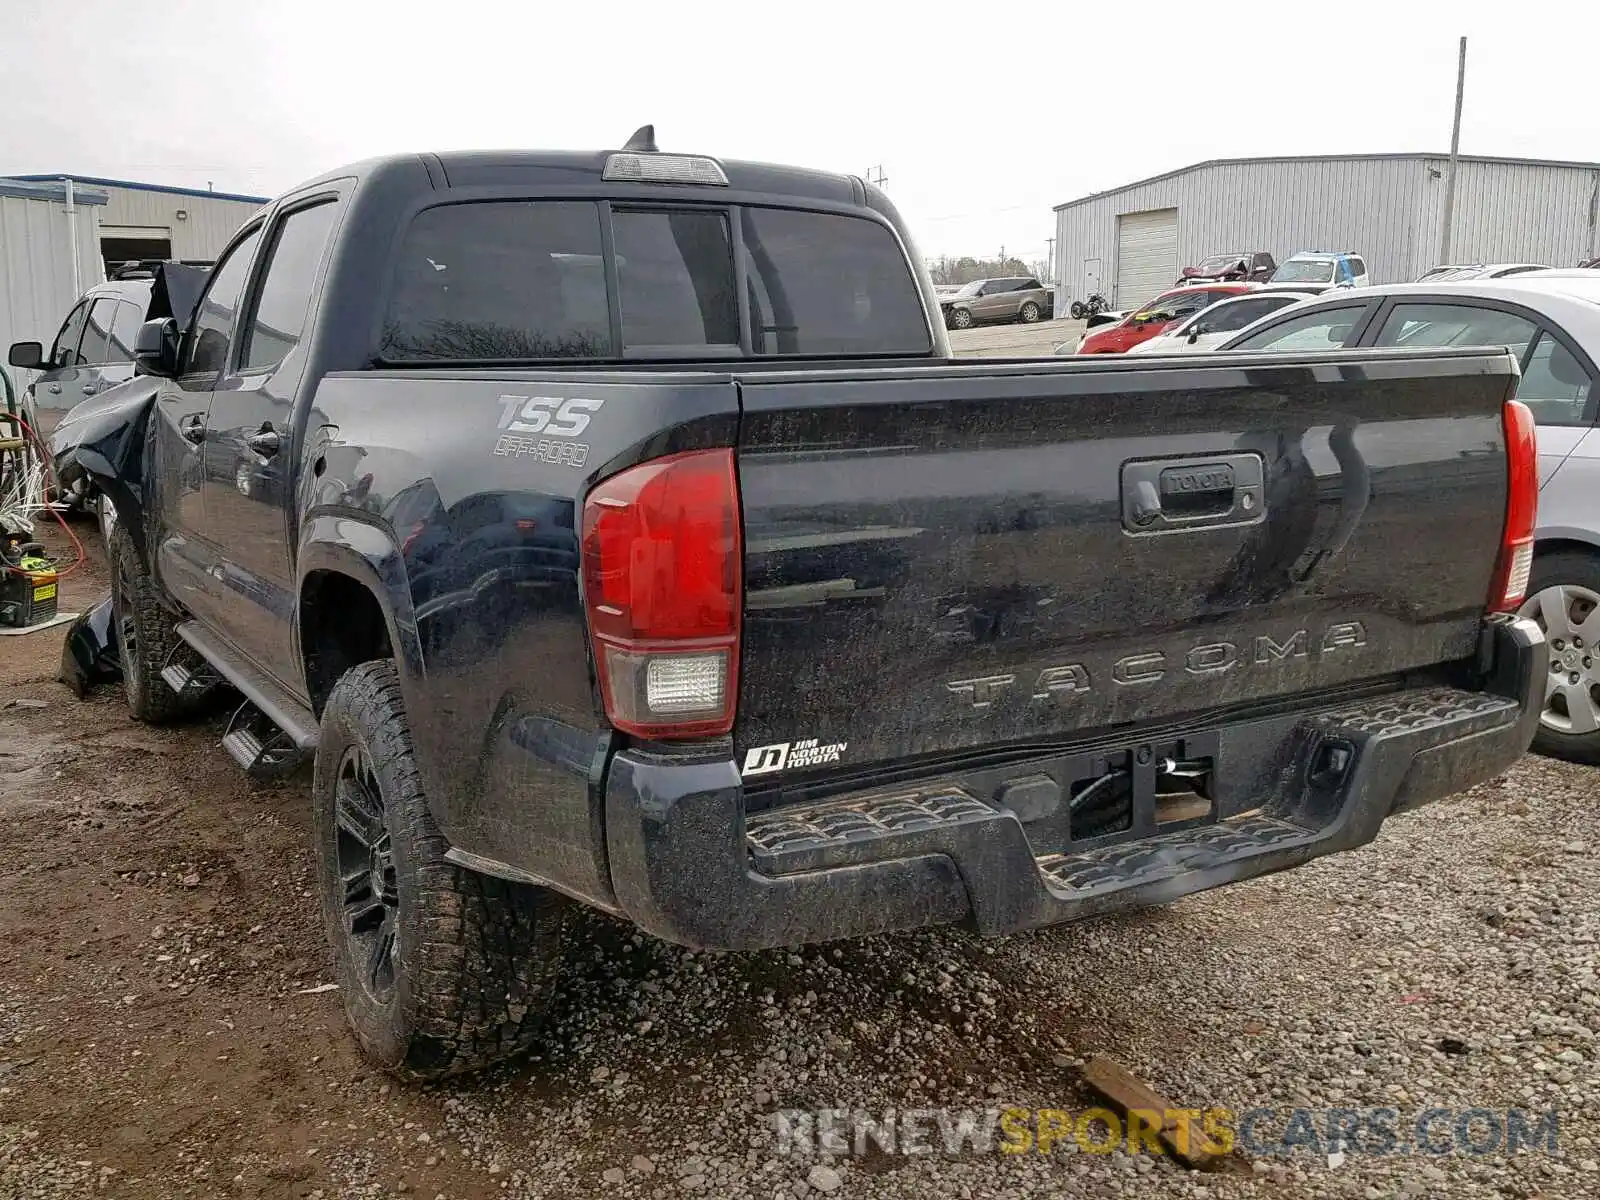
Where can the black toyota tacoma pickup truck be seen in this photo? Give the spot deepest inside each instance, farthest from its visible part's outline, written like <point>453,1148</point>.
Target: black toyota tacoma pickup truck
<point>616,527</point>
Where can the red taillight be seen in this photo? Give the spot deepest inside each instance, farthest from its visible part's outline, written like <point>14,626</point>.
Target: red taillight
<point>661,572</point>
<point>1510,584</point>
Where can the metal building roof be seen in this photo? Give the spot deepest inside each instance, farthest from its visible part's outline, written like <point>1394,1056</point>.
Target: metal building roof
<point>1314,158</point>
<point>146,187</point>
<point>30,188</point>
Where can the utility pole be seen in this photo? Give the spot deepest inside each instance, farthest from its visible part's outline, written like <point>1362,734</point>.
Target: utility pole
<point>880,178</point>
<point>1455,149</point>
<point>1050,259</point>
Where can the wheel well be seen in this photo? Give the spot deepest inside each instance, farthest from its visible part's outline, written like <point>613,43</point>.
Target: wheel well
<point>1561,545</point>
<point>341,626</point>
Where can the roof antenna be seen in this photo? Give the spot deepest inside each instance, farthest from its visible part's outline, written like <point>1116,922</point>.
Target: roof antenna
<point>643,140</point>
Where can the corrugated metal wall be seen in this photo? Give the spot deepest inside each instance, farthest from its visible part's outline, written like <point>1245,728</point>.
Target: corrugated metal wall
<point>1388,209</point>
<point>1511,212</point>
<point>210,222</point>
<point>36,283</point>
<point>1364,205</point>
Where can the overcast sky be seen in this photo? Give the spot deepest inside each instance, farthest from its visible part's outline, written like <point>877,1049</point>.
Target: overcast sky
<point>982,115</point>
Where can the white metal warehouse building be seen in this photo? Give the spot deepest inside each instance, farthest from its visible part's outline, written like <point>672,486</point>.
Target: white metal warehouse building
<point>1131,242</point>
<point>45,218</point>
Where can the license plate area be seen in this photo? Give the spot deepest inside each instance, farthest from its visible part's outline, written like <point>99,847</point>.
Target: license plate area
<point>1122,794</point>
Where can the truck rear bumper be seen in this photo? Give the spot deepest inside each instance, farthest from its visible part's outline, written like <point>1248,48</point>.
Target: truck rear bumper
<point>689,865</point>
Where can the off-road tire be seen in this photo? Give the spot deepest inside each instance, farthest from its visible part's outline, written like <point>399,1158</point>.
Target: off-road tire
<point>146,635</point>
<point>475,958</point>
<point>1573,568</point>
<point>1029,313</point>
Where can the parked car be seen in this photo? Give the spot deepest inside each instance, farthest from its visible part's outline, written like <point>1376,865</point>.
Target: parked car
<point>1478,271</point>
<point>1212,326</point>
<point>569,599</point>
<point>1330,269</point>
<point>1254,266</point>
<point>1144,322</point>
<point>988,301</point>
<point>93,349</point>
<point>1551,321</point>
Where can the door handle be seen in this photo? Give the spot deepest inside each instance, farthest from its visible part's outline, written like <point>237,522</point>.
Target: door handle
<point>265,443</point>
<point>89,389</point>
<point>1174,495</point>
<point>55,389</point>
<point>192,428</point>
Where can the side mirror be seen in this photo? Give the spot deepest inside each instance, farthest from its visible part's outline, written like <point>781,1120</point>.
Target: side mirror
<point>155,348</point>
<point>29,355</point>
<point>1195,331</point>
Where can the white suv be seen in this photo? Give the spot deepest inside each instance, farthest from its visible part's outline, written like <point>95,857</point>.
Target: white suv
<point>1323,269</point>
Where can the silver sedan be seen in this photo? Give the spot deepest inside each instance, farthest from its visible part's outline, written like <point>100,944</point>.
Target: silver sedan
<point>1551,319</point>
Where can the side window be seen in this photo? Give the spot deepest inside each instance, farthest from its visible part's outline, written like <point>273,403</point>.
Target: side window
<point>1358,266</point>
<point>97,333</point>
<point>124,330</point>
<point>675,277</point>
<point>1455,325</point>
<point>64,352</point>
<point>1031,285</point>
<point>279,316</point>
<point>1325,329</point>
<point>1555,386</point>
<point>206,348</point>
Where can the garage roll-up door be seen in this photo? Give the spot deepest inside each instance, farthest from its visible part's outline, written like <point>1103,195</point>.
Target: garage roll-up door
<point>1147,255</point>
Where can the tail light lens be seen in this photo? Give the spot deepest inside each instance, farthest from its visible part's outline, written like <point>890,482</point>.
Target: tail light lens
<point>1510,584</point>
<point>662,564</point>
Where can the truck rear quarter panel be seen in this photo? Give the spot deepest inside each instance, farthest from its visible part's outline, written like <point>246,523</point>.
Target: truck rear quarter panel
<point>475,485</point>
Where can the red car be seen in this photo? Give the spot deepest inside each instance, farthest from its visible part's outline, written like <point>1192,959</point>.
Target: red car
<point>1170,307</point>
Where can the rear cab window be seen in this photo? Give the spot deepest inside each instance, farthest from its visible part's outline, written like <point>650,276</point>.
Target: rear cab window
<point>532,280</point>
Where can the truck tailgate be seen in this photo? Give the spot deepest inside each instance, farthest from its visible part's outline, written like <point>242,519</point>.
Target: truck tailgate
<point>953,558</point>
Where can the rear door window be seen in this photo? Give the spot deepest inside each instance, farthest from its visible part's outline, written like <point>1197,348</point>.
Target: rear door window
<point>513,280</point>
<point>1555,386</point>
<point>675,277</point>
<point>825,284</point>
<point>124,330</point>
<point>1455,325</point>
<point>280,311</point>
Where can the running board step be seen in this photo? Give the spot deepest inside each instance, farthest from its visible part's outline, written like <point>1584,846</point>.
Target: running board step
<point>282,710</point>
<point>260,747</point>
<point>190,682</point>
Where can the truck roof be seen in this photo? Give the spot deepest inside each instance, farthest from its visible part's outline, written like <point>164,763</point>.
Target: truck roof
<point>577,168</point>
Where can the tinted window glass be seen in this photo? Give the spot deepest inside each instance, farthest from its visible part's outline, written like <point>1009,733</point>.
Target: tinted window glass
<point>124,330</point>
<point>1555,386</point>
<point>97,333</point>
<point>675,273</point>
<point>1325,329</point>
<point>280,313</point>
<point>824,284</point>
<point>213,323</point>
<point>515,280</point>
<point>65,351</point>
<point>1455,325</point>
<point>1358,266</point>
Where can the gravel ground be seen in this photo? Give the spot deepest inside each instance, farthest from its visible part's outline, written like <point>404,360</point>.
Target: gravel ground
<point>162,1031</point>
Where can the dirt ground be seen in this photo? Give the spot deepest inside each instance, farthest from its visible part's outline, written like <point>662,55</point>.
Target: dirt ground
<point>164,1030</point>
